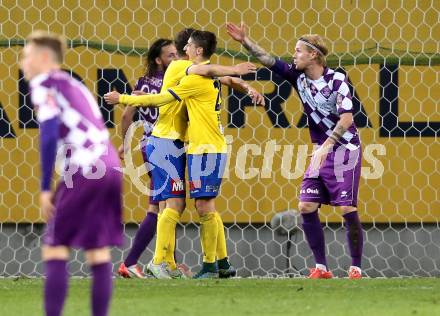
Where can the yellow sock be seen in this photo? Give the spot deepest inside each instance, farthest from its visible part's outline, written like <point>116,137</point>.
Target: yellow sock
<point>169,257</point>
<point>166,228</point>
<point>208,236</point>
<point>222,252</point>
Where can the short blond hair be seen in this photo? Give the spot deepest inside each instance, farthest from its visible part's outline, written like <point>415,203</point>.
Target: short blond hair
<point>318,42</point>
<point>55,42</point>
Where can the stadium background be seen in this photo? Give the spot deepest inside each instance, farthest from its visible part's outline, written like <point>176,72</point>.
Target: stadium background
<point>388,50</point>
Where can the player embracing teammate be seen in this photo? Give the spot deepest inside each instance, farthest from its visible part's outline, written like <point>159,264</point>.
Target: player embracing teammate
<point>160,54</point>
<point>190,103</point>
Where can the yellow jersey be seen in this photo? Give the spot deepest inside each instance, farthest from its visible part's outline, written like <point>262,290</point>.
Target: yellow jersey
<point>173,118</point>
<point>202,96</point>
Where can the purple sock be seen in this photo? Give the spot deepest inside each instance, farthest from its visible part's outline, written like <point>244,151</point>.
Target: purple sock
<point>55,287</point>
<point>101,288</point>
<point>143,237</point>
<point>315,236</point>
<point>355,238</point>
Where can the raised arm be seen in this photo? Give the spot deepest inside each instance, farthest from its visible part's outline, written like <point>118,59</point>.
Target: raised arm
<point>242,86</point>
<point>213,70</point>
<point>238,33</point>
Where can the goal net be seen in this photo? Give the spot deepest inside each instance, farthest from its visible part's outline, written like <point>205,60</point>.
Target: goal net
<point>387,48</point>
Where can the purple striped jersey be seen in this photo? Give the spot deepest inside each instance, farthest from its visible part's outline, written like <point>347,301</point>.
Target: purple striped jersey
<point>324,100</point>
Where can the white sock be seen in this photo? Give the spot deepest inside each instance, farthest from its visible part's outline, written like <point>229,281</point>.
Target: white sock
<point>321,267</point>
<point>355,268</point>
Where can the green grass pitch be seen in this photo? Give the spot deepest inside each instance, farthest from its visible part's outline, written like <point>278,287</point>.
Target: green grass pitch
<point>414,296</point>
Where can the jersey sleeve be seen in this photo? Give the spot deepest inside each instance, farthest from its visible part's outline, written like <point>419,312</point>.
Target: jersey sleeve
<point>138,86</point>
<point>146,99</point>
<point>188,86</point>
<point>44,100</point>
<point>344,102</point>
<point>285,70</point>
<point>49,133</point>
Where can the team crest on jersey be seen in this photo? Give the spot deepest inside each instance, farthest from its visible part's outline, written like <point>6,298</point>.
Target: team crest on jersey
<point>326,92</point>
<point>304,83</point>
<point>313,89</point>
<point>339,100</point>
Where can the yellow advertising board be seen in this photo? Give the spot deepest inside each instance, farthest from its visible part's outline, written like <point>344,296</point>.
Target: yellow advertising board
<point>397,106</point>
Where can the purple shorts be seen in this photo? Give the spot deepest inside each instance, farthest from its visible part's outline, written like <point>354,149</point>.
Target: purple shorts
<point>337,182</point>
<point>88,212</point>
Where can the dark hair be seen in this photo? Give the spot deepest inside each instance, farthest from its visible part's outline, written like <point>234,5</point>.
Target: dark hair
<point>56,43</point>
<point>154,52</point>
<point>206,40</point>
<point>182,39</point>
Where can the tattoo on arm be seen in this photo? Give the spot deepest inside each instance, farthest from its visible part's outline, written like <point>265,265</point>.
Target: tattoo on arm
<point>338,132</point>
<point>258,52</point>
<point>333,138</point>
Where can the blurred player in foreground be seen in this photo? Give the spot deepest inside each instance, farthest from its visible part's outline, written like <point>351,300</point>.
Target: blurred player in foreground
<point>85,209</point>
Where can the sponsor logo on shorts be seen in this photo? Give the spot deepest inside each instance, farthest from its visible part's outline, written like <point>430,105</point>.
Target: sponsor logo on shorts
<point>309,191</point>
<point>177,187</point>
<point>195,185</point>
<point>343,194</point>
<point>212,188</point>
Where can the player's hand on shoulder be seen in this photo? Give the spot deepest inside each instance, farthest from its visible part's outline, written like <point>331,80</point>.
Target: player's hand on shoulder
<point>112,97</point>
<point>46,205</point>
<point>238,33</point>
<point>245,68</point>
